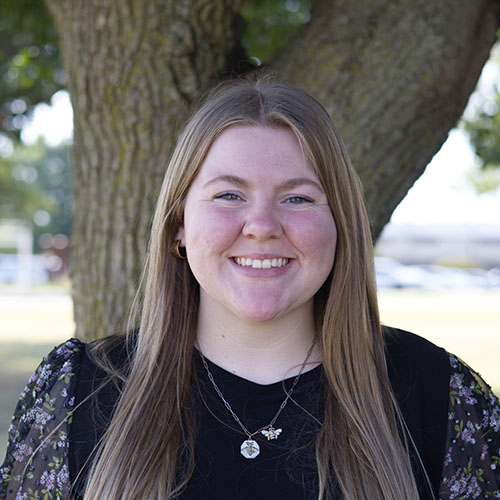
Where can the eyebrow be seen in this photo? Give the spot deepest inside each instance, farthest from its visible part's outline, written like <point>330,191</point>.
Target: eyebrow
<point>288,184</point>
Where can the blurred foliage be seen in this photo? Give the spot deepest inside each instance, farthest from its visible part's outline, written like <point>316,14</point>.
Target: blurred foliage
<point>484,132</point>
<point>19,199</point>
<point>485,179</point>
<point>484,135</point>
<point>30,70</point>
<point>36,187</point>
<point>270,24</point>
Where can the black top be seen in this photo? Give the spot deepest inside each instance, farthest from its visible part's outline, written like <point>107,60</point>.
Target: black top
<point>419,373</point>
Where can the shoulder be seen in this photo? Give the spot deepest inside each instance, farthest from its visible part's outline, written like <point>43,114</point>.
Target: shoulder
<point>58,364</point>
<point>452,414</point>
<point>107,358</point>
<point>470,394</point>
<point>104,365</point>
<point>467,386</point>
<point>414,362</point>
<point>53,374</point>
<point>40,422</point>
<point>401,344</point>
<point>38,449</point>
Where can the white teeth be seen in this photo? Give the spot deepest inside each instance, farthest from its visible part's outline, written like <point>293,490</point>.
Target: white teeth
<point>261,264</point>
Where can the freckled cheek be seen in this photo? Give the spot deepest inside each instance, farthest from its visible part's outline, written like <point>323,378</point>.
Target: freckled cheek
<point>215,229</point>
<point>313,233</point>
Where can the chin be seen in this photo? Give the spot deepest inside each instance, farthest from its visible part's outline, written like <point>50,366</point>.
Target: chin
<point>260,314</point>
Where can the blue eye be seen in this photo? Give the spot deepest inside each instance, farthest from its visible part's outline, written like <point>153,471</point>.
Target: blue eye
<point>227,196</point>
<point>298,200</point>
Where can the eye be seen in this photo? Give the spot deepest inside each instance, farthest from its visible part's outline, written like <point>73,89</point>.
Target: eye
<point>228,197</point>
<point>298,200</point>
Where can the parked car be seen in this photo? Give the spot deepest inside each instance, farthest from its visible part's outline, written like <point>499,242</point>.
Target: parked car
<point>391,273</point>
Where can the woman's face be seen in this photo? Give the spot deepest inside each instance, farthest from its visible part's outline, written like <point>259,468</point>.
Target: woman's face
<point>259,233</point>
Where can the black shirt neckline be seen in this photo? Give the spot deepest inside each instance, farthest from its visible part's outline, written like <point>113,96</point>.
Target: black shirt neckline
<point>236,383</point>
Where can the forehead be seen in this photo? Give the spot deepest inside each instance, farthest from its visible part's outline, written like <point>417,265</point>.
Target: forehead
<point>256,150</point>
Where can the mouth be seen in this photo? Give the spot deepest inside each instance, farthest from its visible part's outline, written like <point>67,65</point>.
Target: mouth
<point>261,263</point>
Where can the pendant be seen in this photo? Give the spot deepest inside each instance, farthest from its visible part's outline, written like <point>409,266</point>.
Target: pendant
<point>250,448</point>
<point>271,433</point>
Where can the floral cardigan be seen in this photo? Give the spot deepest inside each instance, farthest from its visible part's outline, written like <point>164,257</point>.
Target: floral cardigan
<point>36,464</point>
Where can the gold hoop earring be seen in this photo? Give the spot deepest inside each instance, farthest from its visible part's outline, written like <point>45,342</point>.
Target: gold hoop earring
<point>177,251</point>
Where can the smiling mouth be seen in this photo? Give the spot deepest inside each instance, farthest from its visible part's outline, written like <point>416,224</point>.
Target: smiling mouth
<point>261,263</point>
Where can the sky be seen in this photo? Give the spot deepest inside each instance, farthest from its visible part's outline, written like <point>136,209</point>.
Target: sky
<point>442,195</point>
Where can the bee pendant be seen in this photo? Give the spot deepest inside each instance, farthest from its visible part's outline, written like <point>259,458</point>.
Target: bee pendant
<point>271,433</point>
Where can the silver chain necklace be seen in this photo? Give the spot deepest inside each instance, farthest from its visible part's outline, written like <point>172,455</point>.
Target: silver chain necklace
<point>250,448</point>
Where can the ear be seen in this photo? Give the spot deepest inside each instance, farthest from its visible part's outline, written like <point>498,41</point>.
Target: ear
<point>180,236</point>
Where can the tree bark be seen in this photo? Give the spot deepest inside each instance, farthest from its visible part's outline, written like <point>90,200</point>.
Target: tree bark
<point>133,67</point>
<point>394,75</point>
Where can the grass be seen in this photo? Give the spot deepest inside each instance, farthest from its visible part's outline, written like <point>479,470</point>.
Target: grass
<point>466,323</point>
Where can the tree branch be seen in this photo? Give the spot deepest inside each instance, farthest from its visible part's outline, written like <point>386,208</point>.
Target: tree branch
<point>395,77</point>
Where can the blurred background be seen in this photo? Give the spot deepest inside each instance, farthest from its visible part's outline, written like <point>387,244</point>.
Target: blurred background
<point>437,261</point>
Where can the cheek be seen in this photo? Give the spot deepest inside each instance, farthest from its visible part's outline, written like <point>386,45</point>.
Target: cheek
<point>315,234</point>
<point>210,227</point>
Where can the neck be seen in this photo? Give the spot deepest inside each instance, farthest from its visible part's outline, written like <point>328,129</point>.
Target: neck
<point>263,352</point>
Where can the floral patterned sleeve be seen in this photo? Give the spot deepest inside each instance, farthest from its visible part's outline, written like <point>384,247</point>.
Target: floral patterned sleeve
<point>472,461</point>
<point>36,463</point>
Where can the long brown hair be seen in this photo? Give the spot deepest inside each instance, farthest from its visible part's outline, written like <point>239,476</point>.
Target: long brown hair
<point>147,451</point>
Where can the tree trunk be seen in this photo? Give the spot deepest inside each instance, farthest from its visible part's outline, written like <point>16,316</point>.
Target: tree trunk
<point>395,76</point>
<point>132,67</point>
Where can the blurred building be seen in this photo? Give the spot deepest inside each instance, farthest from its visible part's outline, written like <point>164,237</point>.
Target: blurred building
<point>453,245</point>
<point>20,266</point>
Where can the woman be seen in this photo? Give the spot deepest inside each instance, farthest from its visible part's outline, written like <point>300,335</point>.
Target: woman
<point>260,368</point>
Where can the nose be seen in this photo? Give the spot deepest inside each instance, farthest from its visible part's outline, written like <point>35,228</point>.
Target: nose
<point>262,222</point>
